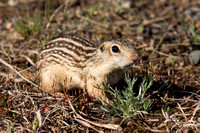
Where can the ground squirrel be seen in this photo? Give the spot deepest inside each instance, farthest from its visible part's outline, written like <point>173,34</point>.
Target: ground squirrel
<point>72,61</point>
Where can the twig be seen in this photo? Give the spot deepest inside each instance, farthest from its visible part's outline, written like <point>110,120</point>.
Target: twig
<point>141,46</point>
<point>157,19</point>
<point>92,21</point>
<point>52,16</point>
<point>88,125</point>
<point>161,40</point>
<point>53,110</point>
<point>28,59</point>
<point>11,67</point>
<point>108,126</point>
<point>171,56</point>
<point>4,52</point>
<point>159,44</point>
<point>39,117</point>
<point>182,112</point>
<point>165,115</point>
<point>196,109</point>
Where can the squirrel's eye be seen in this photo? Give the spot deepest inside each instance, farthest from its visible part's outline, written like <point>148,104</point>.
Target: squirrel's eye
<point>115,49</point>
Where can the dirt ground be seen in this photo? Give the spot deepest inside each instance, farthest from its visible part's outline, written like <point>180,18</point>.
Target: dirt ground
<point>164,32</point>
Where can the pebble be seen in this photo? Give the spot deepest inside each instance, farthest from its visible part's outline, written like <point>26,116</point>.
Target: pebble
<point>194,57</point>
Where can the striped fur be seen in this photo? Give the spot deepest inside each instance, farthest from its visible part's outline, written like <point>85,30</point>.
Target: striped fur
<point>70,49</point>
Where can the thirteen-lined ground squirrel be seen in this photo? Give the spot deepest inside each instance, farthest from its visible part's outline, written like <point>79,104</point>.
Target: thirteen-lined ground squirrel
<point>72,61</point>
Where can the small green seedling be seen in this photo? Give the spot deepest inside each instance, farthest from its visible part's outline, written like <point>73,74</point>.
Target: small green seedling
<point>126,104</point>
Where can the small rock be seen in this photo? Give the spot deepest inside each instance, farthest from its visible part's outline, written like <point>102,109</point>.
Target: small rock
<point>8,25</point>
<point>46,109</point>
<point>126,5</point>
<point>12,3</point>
<point>1,21</point>
<point>194,57</point>
<point>198,119</point>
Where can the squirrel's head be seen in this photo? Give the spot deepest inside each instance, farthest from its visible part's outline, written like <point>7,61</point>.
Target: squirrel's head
<point>119,53</point>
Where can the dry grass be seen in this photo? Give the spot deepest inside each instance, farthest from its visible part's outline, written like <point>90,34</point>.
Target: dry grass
<point>162,31</point>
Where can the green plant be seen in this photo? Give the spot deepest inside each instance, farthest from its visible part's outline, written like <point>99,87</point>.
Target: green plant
<point>125,103</point>
<point>92,10</point>
<point>32,23</point>
<point>10,128</point>
<point>195,33</point>
<point>28,26</point>
<point>45,40</point>
<point>119,8</point>
<point>47,10</point>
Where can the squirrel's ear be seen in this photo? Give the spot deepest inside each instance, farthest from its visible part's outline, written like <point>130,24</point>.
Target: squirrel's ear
<point>101,47</point>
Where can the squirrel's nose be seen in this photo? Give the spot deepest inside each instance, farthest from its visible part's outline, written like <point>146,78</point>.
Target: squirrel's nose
<point>135,58</point>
